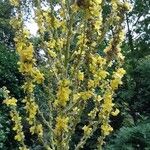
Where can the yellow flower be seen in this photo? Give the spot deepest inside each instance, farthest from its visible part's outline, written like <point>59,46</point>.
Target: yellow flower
<point>28,87</point>
<point>80,76</point>
<point>10,102</point>
<point>115,83</point>
<point>97,24</point>
<point>76,97</point>
<point>63,93</point>
<point>74,8</point>
<point>121,72</point>
<point>121,36</point>
<point>115,113</point>
<point>51,44</point>
<point>64,82</point>
<point>32,129</point>
<point>39,130</point>
<point>17,127</point>
<point>81,39</point>
<point>31,109</point>
<point>103,74</point>
<point>120,56</point>
<point>87,130</point>
<point>27,53</point>
<point>52,53</point>
<point>107,129</point>
<point>117,78</point>
<point>14,2</point>
<point>127,6</point>
<point>19,136</point>
<point>25,67</point>
<point>90,84</point>
<point>23,148</point>
<point>114,5</point>
<point>107,105</point>
<point>93,113</point>
<point>38,76</point>
<point>98,1</point>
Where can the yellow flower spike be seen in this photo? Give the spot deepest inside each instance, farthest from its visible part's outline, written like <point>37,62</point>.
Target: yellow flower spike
<point>31,109</point>
<point>63,93</point>
<point>17,126</point>
<point>117,78</point>
<point>27,54</point>
<point>15,23</point>
<point>121,36</point>
<point>61,125</point>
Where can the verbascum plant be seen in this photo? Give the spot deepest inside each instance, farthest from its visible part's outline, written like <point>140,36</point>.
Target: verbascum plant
<point>17,120</point>
<point>80,70</point>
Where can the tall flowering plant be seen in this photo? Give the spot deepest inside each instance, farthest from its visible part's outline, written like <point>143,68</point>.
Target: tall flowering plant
<point>78,69</point>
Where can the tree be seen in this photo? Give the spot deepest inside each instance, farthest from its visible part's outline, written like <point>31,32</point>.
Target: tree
<point>6,31</point>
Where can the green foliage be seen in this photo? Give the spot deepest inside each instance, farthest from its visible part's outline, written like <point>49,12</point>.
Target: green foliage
<point>142,87</point>
<point>9,74</point>
<point>12,79</point>
<point>131,138</point>
<point>133,99</point>
<point>4,129</point>
<point>6,31</point>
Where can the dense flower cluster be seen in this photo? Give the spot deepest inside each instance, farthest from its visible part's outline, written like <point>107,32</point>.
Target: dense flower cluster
<point>78,69</point>
<point>27,66</point>
<point>32,75</point>
<point>63,93</point>
<point>61,125</point>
